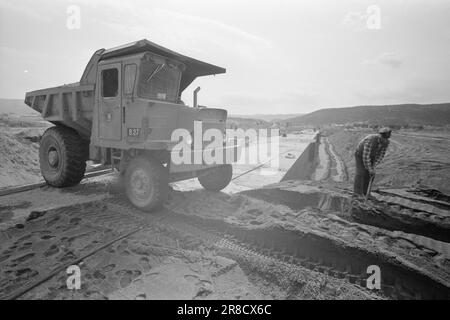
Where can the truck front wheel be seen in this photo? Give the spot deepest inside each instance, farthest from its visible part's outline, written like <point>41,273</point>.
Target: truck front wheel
<point>146,183</point>
<point>215,179</point>
<point>62,156</point>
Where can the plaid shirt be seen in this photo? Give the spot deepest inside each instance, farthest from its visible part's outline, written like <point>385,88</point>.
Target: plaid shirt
<point>373,149</point>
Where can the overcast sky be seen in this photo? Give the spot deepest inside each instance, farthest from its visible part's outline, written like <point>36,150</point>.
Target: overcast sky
<point>280,56</point>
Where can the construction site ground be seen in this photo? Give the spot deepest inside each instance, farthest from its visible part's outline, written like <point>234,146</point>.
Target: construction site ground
<point>258,239</point>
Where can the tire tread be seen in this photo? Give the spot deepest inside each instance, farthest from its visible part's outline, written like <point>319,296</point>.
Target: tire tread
<point>159,178</point>
<point>76,151</point>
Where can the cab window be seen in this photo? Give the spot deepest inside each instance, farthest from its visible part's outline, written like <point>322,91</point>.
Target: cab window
<point>129,78</point>
<point>159,81</point>
<point>110,83</point>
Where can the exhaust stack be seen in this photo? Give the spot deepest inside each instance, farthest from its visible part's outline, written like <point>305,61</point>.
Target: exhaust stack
<point>195,97</point>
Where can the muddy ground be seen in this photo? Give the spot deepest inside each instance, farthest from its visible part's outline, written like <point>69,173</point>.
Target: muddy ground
<point>206,245</point>
<point>165,257</point>
<point>290,240</point>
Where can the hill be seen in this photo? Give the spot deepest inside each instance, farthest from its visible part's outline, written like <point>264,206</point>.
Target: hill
<point>268,117</point>
<point>16,106</point>
<point>245,123</point>
<point>432,114</point>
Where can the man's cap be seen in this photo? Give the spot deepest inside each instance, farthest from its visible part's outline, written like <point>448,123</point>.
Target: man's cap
<point>385,130</point>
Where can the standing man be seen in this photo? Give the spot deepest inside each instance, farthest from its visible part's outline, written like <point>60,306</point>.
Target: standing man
<point>369,153</point>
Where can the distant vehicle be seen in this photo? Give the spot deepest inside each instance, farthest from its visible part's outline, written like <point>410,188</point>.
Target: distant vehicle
<point>122,113</point>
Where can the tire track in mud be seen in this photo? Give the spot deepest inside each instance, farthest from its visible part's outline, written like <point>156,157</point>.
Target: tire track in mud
<point>298,250</point>
<point>330,166</point>
<point>48,257</point>
<point>325,256</point>
<point>338,168</point>
<point>214,236</point>
<point>322,249</point>
<point>32,267</point>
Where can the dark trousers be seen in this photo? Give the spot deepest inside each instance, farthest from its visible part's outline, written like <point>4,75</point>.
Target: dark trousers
<point>362,176</point>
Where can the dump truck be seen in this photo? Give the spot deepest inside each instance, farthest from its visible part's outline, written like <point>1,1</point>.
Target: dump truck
<point>122,114</point>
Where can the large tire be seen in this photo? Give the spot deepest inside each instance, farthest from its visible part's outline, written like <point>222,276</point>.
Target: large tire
<point>216,179</point>
<point>146,183</point>
<point>62,156</point>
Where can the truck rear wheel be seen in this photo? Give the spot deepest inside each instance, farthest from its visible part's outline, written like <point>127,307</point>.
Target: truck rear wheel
<point>62,156</point>
<point>215,179</point>
<point>146,183</point>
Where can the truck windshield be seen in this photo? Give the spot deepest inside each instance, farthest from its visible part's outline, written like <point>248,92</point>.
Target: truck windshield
<point>159,81</point>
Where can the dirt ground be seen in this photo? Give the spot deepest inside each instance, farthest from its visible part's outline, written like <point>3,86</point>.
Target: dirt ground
<point>228,245</point>
<point>411,159</point>
<point>19,161</point>
<point>44,229</point>
<point>165,258</point>
<point>19,149</point>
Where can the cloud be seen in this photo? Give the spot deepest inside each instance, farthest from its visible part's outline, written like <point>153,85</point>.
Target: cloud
<point>204,38</point>
<point>141,15</point>
<point>417,91</point>
<point>217,25</point>
<point>157,16</point>
<point>390,59</point>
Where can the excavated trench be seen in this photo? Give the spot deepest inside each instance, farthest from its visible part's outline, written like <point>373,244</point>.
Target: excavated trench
<point>329,256</point>
<point>423,196</point>
<point>433,194</point>
<point>390,220</point>
<point>375,213</point>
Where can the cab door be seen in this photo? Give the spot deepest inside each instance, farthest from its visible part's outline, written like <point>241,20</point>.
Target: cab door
<point>110,102</point>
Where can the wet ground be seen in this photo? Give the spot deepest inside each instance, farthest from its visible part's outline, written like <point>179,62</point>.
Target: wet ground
<point>294,240</point>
